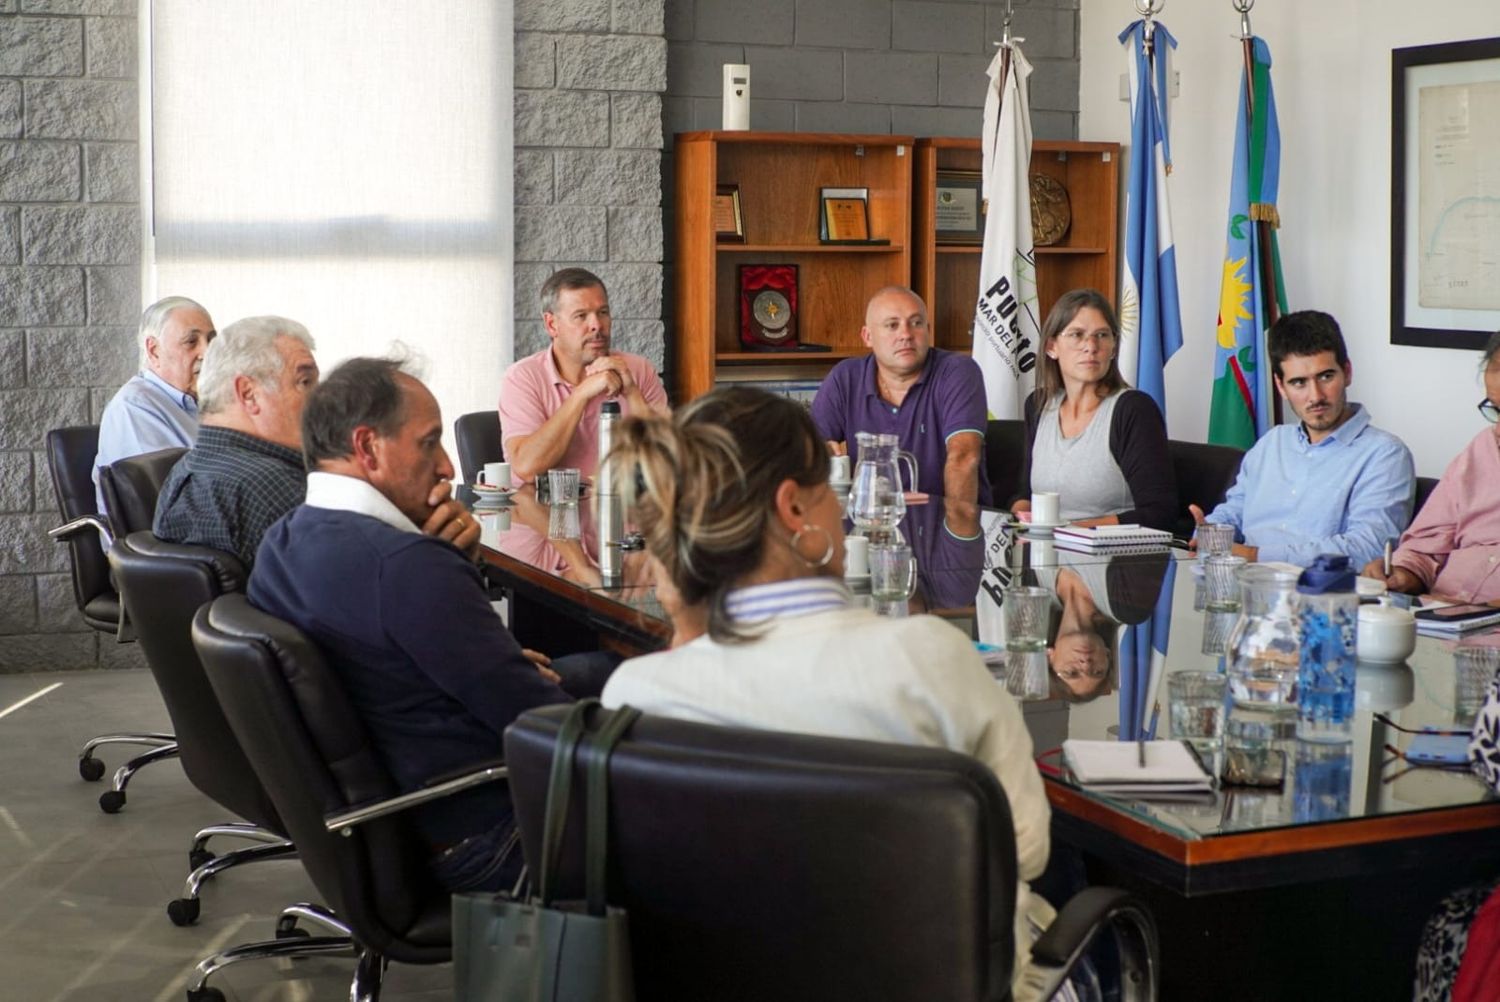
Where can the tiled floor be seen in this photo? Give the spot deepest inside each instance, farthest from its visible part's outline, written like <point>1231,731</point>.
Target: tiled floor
<point>83,894</point>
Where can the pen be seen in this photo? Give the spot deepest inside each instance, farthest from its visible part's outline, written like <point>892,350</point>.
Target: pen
<point>1387,564</point>
<point>1155,713</point>
<point>1140,750</point>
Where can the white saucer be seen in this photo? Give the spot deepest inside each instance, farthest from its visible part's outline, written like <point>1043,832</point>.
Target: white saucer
<point>1041,526</point>
<point>484,490</point>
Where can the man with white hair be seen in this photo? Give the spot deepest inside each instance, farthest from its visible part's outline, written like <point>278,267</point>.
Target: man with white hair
<point>158,407</point>
<point>246,469</point>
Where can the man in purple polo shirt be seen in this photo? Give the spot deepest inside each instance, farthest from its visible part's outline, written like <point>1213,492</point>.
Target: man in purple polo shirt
<point>932,400</point>
<point>550,401</point>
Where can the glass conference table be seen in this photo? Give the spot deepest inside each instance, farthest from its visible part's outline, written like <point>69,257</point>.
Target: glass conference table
<point>1343,821</point>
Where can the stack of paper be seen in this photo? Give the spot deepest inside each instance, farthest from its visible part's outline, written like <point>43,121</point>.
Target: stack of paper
<point>1112,538</point>
<point>1435,619</point>
<point>1114,768</point>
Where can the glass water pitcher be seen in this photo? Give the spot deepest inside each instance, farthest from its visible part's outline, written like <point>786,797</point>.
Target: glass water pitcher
<point>877,499</point>
<point>1262,657</point>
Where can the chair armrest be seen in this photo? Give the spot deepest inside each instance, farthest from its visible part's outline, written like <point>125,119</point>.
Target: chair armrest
<point>345,822</point>
<point>68,530</point>
<point>1059,949</point>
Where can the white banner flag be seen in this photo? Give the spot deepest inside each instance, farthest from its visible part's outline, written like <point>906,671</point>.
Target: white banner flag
<point>1006,321</point>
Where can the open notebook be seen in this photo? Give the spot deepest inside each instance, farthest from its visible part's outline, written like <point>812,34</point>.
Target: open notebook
<point>1113,767</point>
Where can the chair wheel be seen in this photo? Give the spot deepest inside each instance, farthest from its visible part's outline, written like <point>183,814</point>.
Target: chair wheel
<point>110,801</point>
<point>198,857</point>
<point>183,911</point>
<point>205,994</point>
<point>91,769</point>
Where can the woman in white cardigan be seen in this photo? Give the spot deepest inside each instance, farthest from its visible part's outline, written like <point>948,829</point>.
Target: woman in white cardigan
<point>733,499</point>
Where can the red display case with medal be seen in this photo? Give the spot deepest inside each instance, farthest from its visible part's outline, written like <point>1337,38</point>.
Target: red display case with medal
<point>768,307</point>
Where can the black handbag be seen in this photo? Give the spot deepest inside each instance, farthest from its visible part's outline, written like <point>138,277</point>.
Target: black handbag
<point>540,949</point>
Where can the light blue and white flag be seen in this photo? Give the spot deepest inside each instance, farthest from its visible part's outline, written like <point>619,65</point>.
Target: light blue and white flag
<point>1143,659</point>
<point>1150,319</point>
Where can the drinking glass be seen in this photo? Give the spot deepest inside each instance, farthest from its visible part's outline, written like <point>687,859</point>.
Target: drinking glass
<point>1221,582</point>
<point>563,485</point>
<point>1196,700</point>
<point>893,572</point>
<point>1215,539</point>
<point>562,521</point>
<point>1474,670</point>
<point>1026,613</point>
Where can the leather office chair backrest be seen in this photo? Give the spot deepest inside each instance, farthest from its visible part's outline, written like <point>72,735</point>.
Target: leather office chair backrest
<point>1425,487</point>
<point>1004,450</point>
<point>70,457</point>
<point>164,584</point>
<point>764,865</point>
<point>1204,475</point>
<point>479,442</point>
<point>309,746</point>
<point>132,485</point>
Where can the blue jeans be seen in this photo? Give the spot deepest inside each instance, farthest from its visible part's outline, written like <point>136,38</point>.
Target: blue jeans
<point>488,861</point>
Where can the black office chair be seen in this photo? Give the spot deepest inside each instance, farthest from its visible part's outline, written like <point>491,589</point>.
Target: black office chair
<point>310,748</point>
<point>479,442</point>
<point>1204,475</point>
<point>88,533</point>
<point>765,865</point>
<point>1004,452</point>
<point>1425,487</point>
<point>164,584</point>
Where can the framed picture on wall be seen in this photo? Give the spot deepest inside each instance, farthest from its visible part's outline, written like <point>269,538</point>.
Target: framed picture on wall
<point>1445,194</point>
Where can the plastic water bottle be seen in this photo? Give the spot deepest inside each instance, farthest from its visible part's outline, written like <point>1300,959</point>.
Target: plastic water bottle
<point>1327,635</point>
<point>611,517</point>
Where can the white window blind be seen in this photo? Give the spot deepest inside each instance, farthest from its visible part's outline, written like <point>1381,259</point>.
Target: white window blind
<point>346,163</point>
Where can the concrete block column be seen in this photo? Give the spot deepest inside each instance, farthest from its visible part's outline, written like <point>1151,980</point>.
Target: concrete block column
<point>588,137</point>
<point>69,289</point>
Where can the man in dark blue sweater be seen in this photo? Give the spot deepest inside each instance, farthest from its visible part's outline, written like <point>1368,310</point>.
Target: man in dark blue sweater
<point>401,615</point>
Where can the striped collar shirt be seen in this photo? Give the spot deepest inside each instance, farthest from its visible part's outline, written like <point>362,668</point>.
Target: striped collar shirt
<point>797,597</point>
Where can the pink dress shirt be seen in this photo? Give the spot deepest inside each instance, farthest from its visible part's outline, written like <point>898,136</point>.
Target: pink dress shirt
<point>533,390</point>
<point>1453,546</point>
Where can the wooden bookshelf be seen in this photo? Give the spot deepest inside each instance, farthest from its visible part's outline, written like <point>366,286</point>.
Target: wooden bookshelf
<point>947,276</point>
<point>779,175</point>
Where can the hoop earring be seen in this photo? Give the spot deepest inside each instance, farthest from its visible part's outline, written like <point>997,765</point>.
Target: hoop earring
<point>827,545</point>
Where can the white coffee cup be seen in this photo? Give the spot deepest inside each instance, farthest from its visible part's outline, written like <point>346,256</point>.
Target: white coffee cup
<point>838,469</point>
<point>495,475</point>
<point>1044,508</point>
<point>856,557</point>
<point>1386,634</point>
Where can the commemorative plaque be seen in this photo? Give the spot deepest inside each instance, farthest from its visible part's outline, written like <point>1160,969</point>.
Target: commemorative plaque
<point>768,307</point>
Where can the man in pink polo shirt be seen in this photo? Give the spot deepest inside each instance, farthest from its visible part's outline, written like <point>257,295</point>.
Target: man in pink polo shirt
<point>550,401</point>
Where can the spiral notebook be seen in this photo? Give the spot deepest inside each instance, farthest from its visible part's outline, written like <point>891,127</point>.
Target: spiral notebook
<point>1114,768</point>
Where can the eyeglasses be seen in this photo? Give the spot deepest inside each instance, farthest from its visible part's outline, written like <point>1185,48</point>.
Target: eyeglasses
<point>1490,411</point>
<point>1075,339</point>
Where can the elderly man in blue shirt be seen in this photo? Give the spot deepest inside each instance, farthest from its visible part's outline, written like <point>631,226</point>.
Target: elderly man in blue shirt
<point>158,407</point>
<point>1333,482</point>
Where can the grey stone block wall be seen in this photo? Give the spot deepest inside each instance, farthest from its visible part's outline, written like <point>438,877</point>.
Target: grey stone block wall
<point>70,244</point>
<point>874,66</point>
<point>588,180</point>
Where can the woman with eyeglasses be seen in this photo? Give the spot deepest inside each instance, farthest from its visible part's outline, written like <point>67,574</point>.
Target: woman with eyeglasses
<point>731,494</point>
<point>1100,445</point>
<point>1452,548</point>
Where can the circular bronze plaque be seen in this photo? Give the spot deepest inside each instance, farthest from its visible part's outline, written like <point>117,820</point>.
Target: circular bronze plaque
<point>1050,212</point>
<point>773,313</point>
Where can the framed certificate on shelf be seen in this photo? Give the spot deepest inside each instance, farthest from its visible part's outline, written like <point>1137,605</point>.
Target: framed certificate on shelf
<point>958,216</point>
<point>844,215</point>
<point>729,224</point>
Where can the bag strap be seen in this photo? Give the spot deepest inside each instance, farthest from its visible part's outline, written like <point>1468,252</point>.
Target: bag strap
<point>560,792</point>
<point>596,851</point>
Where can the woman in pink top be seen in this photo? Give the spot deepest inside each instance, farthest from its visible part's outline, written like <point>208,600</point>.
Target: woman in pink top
<point>1452,548</point>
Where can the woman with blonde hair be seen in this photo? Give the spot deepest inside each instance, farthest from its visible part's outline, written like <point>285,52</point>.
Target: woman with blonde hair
<point>733,499</point>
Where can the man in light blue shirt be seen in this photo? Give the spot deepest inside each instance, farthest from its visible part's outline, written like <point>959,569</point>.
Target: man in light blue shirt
<point>158,407</point>
<point>1333,482</point>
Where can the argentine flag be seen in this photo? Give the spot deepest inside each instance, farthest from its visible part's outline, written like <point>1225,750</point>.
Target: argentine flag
<point>1150,320</point>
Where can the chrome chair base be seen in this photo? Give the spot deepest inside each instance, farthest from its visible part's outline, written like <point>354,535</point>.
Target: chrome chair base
<point>162,746</point>
<point>311,946</point>
<point>184,910</point>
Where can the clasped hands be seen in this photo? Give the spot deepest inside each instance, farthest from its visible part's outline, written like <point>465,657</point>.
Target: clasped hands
<point>608,375</point>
